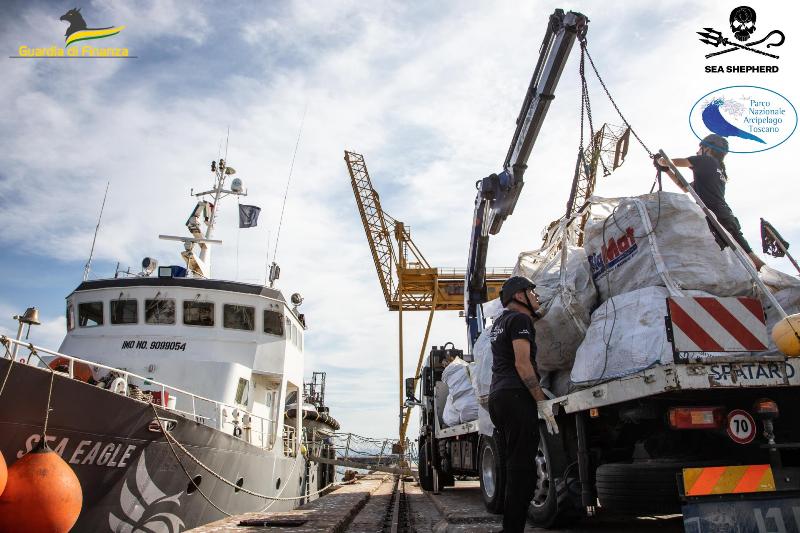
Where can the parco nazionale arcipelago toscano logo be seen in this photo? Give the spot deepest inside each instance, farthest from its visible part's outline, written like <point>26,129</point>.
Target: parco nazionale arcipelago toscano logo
<point>78,32</point>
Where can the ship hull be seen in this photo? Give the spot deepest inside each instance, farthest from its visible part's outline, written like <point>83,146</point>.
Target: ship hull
<point>130,477</point>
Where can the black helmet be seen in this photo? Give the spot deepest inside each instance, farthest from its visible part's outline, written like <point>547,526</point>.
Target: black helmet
<point>718,143</point>
<point>512,286</point>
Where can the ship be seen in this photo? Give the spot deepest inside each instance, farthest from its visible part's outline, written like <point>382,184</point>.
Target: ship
<point>174,395</point>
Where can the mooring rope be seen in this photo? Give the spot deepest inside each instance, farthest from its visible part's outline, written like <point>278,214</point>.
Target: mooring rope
<point>172,440</point>
<point>4,340</point>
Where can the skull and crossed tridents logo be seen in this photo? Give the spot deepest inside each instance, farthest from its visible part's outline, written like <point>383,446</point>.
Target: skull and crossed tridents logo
<point>743,26</point>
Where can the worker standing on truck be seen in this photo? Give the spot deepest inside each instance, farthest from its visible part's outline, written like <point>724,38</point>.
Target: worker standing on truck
<point>514,394</point>
<point>710,177</point>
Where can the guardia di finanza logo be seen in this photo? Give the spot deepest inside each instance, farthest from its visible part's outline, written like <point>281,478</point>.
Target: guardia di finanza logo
<point>76,40</point>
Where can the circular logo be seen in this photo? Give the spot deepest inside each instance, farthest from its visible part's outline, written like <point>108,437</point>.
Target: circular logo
<point>741,426</point>
<point>752,119</point>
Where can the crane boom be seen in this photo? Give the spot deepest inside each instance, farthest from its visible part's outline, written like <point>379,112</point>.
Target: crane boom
<point>374,221</point>
<point>498,193</point>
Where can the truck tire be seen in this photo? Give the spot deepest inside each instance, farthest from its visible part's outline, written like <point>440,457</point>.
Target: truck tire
<point>492,473</point>
<point>425,470</point>
<point>639,488</point>
<point>551,505</point>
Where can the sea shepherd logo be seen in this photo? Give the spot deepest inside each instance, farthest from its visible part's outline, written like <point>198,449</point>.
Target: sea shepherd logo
<point>742,22</point>
<point>75,41</point>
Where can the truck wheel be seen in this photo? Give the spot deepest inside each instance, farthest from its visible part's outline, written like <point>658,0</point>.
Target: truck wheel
<point>492,475</point>
<point>551,505</point>
<point>639,488</point>
<point>424,466</point>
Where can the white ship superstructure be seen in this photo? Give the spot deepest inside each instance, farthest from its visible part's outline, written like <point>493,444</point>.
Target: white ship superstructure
<point>174,394</point>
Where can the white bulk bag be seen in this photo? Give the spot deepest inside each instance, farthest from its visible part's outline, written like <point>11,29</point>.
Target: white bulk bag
<point>482,368</point>
<point>567,295</point>
<point>658,239</point>
<point>777,280</point>
<point>485,425</point>
<point>450,415</point>
<point>627,334</point>
<point>462,404</point>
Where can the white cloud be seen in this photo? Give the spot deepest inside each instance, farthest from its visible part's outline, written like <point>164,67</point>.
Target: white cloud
<point>428,95</point>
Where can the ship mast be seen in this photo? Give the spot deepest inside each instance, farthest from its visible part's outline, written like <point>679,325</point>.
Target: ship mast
<point>205,212</point>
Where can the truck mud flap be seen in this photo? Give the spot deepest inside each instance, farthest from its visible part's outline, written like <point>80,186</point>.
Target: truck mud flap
<point>766,514</point>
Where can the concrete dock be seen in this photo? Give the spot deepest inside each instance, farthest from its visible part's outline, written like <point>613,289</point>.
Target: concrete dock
<point>382,503</point>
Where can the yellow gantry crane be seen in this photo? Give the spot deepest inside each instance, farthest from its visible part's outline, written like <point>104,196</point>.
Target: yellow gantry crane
<point>408,281</point>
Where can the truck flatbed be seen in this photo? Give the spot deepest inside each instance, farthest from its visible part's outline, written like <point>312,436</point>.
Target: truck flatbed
<point>719,373</point>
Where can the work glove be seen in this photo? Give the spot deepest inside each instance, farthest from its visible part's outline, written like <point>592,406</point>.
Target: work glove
<point>546,414</point>
<point>657,163</point>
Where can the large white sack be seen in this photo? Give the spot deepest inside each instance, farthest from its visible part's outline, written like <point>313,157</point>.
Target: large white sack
<point>458,410</point>
<point>485,425</point>
<point>567,296</point>
<point>450,416</point>
<point>456,377</point>
<point>482,367</point>
<point>556,381</point>
<point>658,239</point>
<point>777,280</point>
<point>462,404</point>
<point>493,309</point>
<point>627,334</point>
<point>467,407</point>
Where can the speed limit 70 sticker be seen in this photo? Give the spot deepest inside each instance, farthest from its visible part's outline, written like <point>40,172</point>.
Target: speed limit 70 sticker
<point>741,426</point>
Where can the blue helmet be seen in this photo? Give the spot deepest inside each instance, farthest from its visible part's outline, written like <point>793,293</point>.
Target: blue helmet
<point>717,143</point>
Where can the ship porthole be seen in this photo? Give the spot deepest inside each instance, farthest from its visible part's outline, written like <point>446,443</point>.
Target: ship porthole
<point>239,483</point>
<point>194,484</point>
<point>278,484</point>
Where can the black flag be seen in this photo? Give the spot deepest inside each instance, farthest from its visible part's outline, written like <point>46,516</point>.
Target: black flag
<point>248,216</point>
<point>770,238</point>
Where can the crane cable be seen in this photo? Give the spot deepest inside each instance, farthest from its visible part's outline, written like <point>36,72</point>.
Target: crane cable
<point>585,49</point>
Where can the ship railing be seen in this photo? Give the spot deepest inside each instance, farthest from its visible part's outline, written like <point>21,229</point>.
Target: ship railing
<point>264,440</point>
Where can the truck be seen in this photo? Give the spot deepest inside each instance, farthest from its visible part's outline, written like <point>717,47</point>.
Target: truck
<point>715,438</point>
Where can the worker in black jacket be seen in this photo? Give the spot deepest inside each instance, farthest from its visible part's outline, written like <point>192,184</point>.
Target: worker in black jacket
<point>514,394</point>
<point>710,177</point>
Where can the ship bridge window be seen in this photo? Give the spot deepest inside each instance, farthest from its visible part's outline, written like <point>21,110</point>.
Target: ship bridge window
<point>90,314</point>
<point>198,313</point>
<point>239,317</point>
<point>243,392</point>
<point>70,317</point>
<point>273,322</point>
<point>159,311</point>
<point>124,311</point>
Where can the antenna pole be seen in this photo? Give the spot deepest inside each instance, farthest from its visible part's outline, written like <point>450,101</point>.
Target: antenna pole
<point>288,181</point>
<point>88,267</point>
<point>217,191</point>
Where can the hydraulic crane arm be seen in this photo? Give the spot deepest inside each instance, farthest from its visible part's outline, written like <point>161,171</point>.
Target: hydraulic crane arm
<point>498,194</point>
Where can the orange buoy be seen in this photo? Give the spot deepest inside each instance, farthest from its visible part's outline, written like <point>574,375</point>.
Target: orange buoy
<point>42,494</point>
<point>786,334</point>
<point>3,472</point>
<point>81,371</point>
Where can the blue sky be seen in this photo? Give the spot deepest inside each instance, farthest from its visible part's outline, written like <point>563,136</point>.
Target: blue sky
<point>428,92</point>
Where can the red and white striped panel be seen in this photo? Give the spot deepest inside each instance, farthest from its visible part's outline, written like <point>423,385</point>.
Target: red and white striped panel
<point>708,324</point>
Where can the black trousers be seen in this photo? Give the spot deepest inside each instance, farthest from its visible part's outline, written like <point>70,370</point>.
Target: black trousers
<point>515,418</point>
<point>734,228</point>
